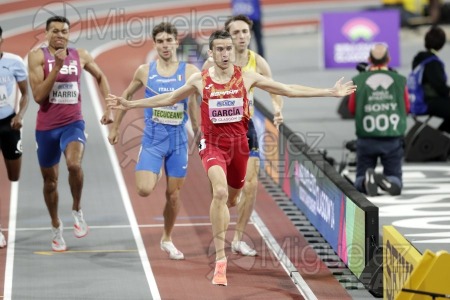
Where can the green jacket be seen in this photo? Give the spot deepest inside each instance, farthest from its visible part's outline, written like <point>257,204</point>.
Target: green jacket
<point>380,105</point>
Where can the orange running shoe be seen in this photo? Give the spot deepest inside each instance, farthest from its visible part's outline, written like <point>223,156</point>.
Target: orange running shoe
<point>220,273</point>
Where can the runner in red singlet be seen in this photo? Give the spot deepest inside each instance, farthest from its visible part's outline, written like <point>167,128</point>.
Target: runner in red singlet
<point>225,114</point>
<point>239,27</point>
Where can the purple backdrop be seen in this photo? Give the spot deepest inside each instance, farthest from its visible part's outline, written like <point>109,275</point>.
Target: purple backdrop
<point>348,36</point>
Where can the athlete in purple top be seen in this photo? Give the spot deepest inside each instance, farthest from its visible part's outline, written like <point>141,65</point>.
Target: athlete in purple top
<point>54,74</point>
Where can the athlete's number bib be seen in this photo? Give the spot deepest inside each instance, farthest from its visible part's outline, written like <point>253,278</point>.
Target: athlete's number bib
<point>170,115</point>
<point>3,95</point>
<point>64,93</point>
<point>226,110</point>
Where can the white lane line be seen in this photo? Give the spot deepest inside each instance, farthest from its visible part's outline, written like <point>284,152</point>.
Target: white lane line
<point>288,266</point>
<point>10,248</point>
<point>120,181</point>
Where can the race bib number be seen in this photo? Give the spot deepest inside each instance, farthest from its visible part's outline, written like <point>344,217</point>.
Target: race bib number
<point>64,93</point>
<point>170,115</point>
<point>226,110</point>
<point>3,95</point>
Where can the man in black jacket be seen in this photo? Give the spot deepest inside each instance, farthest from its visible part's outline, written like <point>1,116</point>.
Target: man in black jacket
<point>434,80</point>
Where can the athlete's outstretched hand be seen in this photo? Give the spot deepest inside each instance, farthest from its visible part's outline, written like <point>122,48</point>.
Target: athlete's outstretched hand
<point>116,102</point>
<point>341,90</point>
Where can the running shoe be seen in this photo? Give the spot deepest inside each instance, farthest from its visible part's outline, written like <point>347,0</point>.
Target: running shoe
<point>386,185</point>
<point>80,228</point>
<point>220,273</point>
<point>370,184</point>
<point>242,248</point>
<point>2,240</point>
<point>173,252</point>
<point>58,243</point>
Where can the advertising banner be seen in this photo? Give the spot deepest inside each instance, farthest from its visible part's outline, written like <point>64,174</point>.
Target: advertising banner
<point>345,219</point>
<point>348,36</point>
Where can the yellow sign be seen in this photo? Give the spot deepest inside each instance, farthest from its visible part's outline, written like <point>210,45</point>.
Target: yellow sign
<point>430,278</point>
<point>399,260</point>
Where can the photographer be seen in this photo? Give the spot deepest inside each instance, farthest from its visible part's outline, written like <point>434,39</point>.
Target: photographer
<point>380,106</point>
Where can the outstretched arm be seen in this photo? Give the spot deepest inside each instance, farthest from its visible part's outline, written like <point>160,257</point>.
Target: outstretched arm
<point>166,99</point>
<point>135,84</point>
<point>299,91</point>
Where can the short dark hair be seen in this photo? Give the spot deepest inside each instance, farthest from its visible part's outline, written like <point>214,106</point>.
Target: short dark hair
<point>218,35</point>
<point>59,19</point>
<point>165,27</point>
<point>435,38</point>
<point>242,18</point>
<point>1,31</point>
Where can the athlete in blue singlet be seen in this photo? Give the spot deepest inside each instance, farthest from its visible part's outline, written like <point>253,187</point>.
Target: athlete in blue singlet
<point>165,136</point>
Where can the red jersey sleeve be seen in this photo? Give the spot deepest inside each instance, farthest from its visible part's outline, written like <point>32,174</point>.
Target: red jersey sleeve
<point>406,98</point>
<point>352,103</point>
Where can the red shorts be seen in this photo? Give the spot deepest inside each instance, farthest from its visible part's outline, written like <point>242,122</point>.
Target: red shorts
<point>231,155</point>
